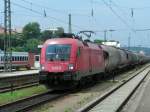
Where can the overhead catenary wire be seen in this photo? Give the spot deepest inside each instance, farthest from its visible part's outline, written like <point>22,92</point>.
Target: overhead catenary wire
<point>60,11</point>
<point>118,16</point>
<point>53,10</point>
<point>120,9</point>
<point>53,18</point>
<point>47,16</point>
<point>127,7</point>
<point>132,16</point>
<point>41,14</point>
<point>44,12</point>
<point>41,6</point>
<point>135,8</point>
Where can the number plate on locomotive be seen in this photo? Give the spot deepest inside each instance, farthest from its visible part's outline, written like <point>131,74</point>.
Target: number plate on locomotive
<point>56,67</point>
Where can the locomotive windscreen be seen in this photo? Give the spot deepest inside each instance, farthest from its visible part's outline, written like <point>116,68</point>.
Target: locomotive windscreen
<point>58,52</point>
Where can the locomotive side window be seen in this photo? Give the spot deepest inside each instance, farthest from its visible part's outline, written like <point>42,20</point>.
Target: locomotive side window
<point>79,52</point>
<point>57,52</point>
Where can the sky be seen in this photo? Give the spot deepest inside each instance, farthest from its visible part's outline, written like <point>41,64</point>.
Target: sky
<point>116,15</point>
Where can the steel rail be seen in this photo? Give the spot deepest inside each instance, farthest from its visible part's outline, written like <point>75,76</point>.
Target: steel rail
<point>18,82</point>
<point>18,87</point>
<point>100,99</point>
<point>28,103</point>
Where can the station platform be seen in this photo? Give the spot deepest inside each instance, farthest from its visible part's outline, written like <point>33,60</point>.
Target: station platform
<point>18,73</point>
<point>140,101</point>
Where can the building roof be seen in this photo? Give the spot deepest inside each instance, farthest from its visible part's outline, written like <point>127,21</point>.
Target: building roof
<point>1,30</point>
<point>16,30</point>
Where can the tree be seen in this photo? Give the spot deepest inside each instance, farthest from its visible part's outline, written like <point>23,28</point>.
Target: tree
<point>60,31</point>
<point>31,30</point>
<point>46,34</point>
<point>32,45</point>
<point>16,41</point>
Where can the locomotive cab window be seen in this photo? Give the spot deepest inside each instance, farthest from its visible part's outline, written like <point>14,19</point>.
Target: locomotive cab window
<point>58,52</point>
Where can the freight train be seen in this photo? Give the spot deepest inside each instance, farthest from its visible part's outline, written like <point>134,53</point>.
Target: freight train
<point>66,62</point>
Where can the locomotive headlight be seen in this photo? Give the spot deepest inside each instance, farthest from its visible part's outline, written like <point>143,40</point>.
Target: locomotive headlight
<point>42,67</point>
<point>70,67</point>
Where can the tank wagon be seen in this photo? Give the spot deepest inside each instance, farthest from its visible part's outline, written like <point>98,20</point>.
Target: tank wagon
<point>65,62</point>
<point>112,58</point>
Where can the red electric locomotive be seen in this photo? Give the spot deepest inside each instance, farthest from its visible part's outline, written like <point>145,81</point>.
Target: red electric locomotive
<point>66,61</point>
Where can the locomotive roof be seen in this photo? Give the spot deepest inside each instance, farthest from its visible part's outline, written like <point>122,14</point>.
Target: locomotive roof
<point>72,41</point>
<point>60,40</point>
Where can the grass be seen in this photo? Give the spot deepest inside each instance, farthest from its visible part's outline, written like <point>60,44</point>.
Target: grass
<point>19,94</point>
<point>68,110</point>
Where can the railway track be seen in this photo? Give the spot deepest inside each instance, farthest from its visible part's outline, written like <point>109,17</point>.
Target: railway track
<point>117,97</point>
<point>27,103</point>
<point>12,88</point>
<point>14,70</point>
<point>18,82</point>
